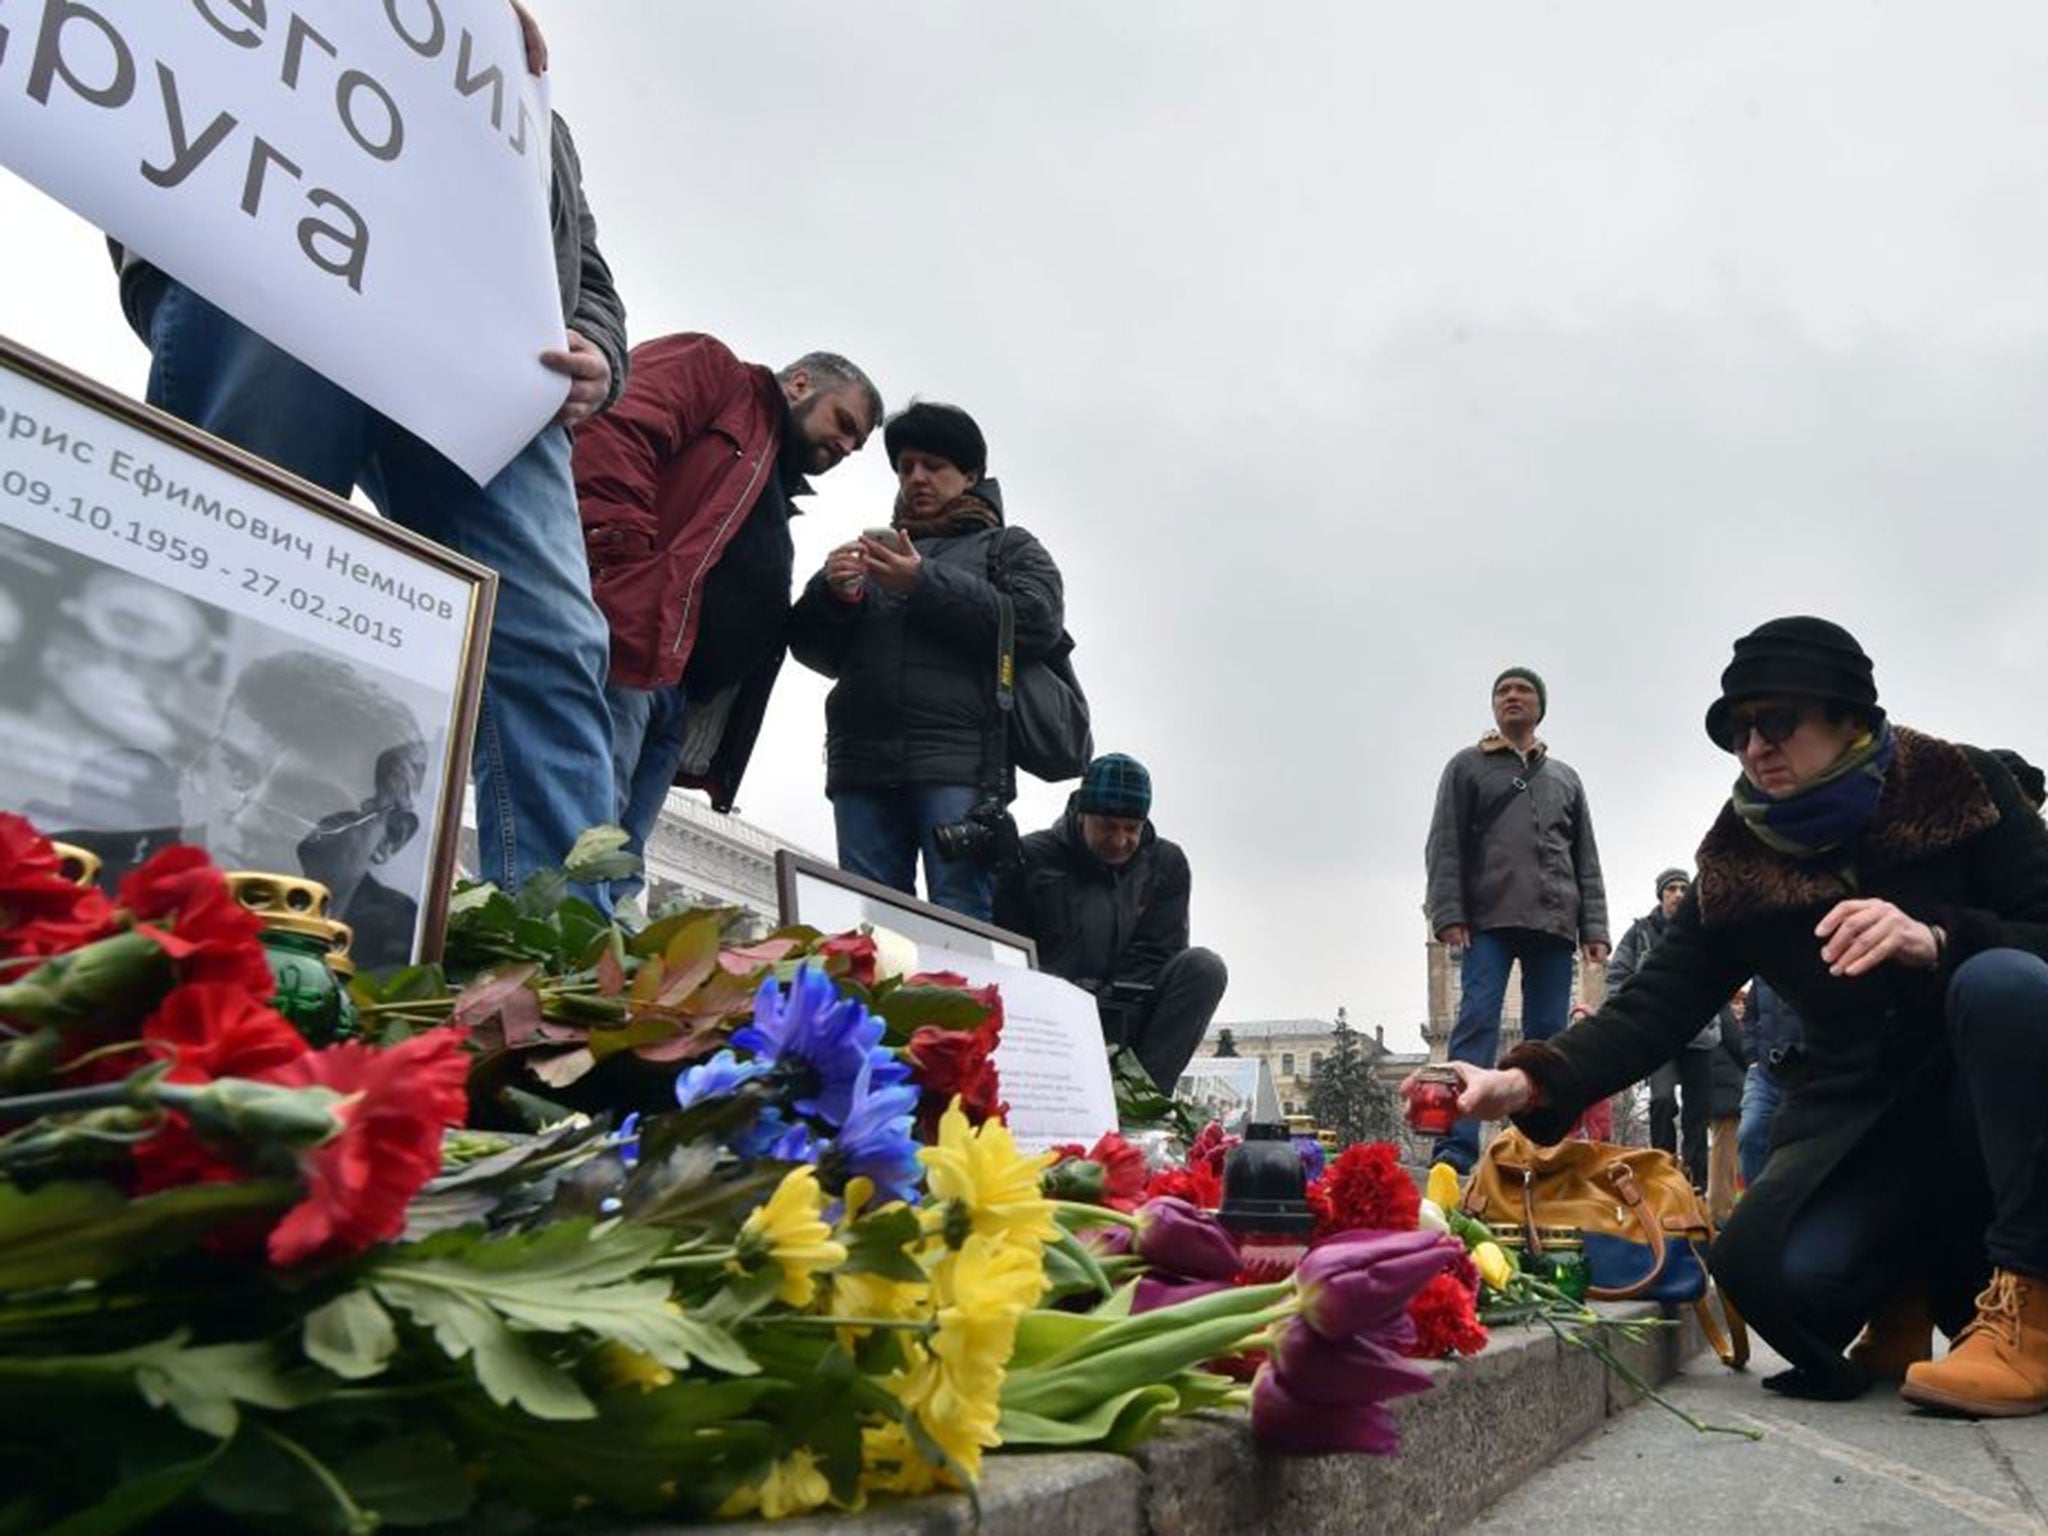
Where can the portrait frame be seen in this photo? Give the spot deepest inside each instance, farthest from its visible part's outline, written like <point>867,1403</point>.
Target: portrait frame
<point>101,488</point>
<point>855,899</point>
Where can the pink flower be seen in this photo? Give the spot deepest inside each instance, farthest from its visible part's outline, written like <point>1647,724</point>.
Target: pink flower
<point>1285,1423</point>
<point>1173,1236</point>
<point>1354,1284</point>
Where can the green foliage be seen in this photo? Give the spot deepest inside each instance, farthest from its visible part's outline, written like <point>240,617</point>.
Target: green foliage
<point>1140,1106</point>
<point>1347,1098</point>
<point>482,1297</point>
<point>75,1230</point>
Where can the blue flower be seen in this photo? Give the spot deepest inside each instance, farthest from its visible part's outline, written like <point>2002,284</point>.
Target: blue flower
<point>626,1140</point>
<point>718,1078</point>
<point>819,1043</point>
<point>875,1141</point>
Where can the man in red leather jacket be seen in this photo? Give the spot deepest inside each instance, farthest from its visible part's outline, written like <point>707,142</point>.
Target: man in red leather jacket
<point>686,487</point>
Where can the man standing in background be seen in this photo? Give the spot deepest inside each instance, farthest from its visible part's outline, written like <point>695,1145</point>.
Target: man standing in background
<point>1514,875</point>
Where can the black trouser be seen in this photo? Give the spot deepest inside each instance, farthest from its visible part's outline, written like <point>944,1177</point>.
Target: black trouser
<point>1691,1074</point>
<point>1937,1193</point>
<point>1166,1030</point>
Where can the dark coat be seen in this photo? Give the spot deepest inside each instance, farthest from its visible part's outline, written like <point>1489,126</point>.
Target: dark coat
<point>664,480</point>
<point>1511,846</point>
<point>1772,1027</point>
<point>914,700</point>
<point>1951,843</point>
<point>1095,924</point>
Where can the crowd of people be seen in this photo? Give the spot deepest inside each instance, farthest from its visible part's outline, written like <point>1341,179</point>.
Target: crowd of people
<point>1877,900</point>
<point>644,558</point>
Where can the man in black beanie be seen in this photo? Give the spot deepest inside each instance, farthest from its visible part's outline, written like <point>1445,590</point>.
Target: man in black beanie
<point>1514,875</point>
<point>1106,897</point>
<point>1893,888</point>
<point>906,622</point>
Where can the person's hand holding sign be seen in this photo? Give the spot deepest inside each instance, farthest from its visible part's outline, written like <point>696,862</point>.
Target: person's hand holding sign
<point>590,378</point>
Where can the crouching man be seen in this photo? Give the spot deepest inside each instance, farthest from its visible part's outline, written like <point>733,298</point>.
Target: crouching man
<point>1106,899</point>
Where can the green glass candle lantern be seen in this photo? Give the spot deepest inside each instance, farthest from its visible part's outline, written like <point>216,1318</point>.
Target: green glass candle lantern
<point>308,952</point>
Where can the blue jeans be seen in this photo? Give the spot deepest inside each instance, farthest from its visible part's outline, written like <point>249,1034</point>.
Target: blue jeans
<point>881,832</point>
<point>1546,1000</point>
<point>1761,1096</point>
<point>647,748</point>
<point>542,761</point>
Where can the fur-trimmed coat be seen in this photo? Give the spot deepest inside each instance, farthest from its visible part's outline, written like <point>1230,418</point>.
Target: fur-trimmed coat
<point>1951,843</point>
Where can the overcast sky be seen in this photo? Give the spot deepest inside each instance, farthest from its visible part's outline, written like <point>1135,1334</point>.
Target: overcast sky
<point>1345,353</point>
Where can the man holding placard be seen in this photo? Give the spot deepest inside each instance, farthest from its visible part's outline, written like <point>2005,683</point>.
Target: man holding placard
<point>543,701</point>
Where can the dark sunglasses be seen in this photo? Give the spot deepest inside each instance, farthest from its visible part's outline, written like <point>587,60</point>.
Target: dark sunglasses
<point>1775,725</point>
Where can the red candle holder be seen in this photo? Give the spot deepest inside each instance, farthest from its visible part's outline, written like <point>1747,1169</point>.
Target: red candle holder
<point>1433,1102</point>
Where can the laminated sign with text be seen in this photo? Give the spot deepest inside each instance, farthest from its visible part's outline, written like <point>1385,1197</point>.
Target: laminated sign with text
<point>364,182</point>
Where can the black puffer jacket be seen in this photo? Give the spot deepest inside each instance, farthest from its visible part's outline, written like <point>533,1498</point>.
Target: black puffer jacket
<point>915,698</point>
<point>1095,924</point>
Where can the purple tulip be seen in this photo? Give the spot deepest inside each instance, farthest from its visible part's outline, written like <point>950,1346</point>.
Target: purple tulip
<point>1174,1236</point>
<point>1156,1291</point>
<point>1325,1373</point>
<point>1358,1283</point>
<point>1107,1242</point>
<point>1284,1423</point>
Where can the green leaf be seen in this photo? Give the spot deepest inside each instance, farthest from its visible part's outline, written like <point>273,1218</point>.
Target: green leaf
<point>200,1383</point>
<point>1116,1423</point>
<point>909,1009</point>
<point>411,1479</point>
<point>600,854</point>
<point>76,1230</point>
<point>352,1336</point>
<point>567,1280</point>
<point>136,1498</point>
<point>1043,1334</point>
<point>880,1244</point>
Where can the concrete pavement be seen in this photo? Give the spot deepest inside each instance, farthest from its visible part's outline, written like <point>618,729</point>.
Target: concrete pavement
<point>1874,1465</point>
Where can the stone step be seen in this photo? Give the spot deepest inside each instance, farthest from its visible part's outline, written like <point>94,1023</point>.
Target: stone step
<point>1490,1422</point>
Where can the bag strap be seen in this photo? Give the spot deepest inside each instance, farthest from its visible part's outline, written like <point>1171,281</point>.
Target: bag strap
<point>1733,1346</point>
<point>1631,1193</point>
<point>997,776</point>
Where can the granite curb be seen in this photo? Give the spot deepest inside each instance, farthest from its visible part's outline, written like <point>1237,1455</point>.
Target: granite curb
<point>1491,1421</point>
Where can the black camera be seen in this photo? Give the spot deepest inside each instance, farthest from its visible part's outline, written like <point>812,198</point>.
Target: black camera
<point>987,832</point>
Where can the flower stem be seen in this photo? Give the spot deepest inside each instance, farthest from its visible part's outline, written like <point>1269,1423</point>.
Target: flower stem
<point>1590,1341</point>
<point>64,1100</point>
<point>361,1522</point>
<point>1078,1213</point>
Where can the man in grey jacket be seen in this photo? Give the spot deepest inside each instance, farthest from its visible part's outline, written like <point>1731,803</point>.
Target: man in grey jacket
<point>542,760</point>
<point>1514,875</point>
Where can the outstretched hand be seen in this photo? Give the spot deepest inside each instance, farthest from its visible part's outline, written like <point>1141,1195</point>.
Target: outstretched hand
<point>1483,1094</point>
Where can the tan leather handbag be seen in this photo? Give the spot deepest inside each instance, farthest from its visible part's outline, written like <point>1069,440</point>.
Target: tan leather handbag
<point>1644,1227</point>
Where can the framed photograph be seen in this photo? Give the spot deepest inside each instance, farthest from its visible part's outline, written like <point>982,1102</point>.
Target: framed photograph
<point>827,898</point>
<point>196,646</point>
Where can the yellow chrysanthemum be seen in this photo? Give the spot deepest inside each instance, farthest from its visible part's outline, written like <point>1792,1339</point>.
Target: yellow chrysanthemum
<point>789,1232</point>
<point>793,1486</point>
<point>617,1365</point>
<point>954,1380</point>
<point>981,1183</point>
<point>865,1295</point>
<point>890,1463</point>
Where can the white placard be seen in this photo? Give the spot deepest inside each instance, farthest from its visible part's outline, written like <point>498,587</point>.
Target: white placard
<point>363,182</point>
<point>1053,1067</point>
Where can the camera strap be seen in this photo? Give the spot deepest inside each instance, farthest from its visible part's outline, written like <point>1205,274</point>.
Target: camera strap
<point>998,777</point>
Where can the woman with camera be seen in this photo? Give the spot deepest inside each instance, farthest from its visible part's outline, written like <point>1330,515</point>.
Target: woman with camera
<point>906,620</point>
<point>1893,888</point>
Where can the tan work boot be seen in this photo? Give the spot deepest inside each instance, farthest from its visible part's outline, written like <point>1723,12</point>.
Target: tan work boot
<point>1998,1367</point>
<point>1899,1334</point>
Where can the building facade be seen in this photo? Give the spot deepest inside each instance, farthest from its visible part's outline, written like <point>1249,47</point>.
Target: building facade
<point>698,857</point>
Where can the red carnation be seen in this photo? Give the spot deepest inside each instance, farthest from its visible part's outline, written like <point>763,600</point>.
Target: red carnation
<point>41,912</point>
<point>1445,1322</point>
<point>206,1030</point>
<point>961,1062</point>
<point>184,903</point>
<point>1122,1171</point>
<point>395,1104</point>
<point>1367,1187</point>
<point>1198,1184</point>
<point>1211,1146</point>
<point>857,950</point>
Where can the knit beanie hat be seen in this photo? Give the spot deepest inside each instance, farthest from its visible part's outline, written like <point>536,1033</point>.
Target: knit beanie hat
<point>1115,785</point>
<point>1672,877</point>
<point>944,430</point>
<point>1799,658</point>
<point>1542,693</point>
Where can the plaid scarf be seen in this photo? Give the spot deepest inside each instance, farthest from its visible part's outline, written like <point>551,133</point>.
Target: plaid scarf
<point>1819,817</point>
<point>963,514</point>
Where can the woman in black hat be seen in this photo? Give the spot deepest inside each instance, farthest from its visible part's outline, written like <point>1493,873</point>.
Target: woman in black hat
<point>907,625</point>
<point>1893,888</point>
